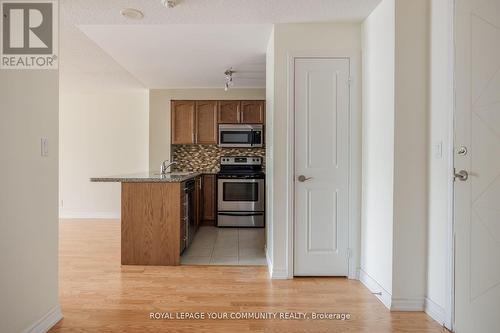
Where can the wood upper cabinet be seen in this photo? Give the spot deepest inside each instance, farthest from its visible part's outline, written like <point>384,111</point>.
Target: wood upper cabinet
<point>252,112</point>
<point>195,122</point>
<point>183,122</point>
<point>208,198</point>
<point>241,112</point>
<point>229,112</point>
<point>206,122</point>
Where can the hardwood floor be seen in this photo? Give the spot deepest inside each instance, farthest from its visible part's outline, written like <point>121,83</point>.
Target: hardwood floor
<point>97,295</point>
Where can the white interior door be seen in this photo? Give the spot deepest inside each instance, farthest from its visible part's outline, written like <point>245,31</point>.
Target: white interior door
<point>477,200</point>
<point>321,166</point>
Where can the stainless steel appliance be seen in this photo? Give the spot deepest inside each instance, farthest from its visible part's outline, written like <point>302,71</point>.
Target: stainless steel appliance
<point>238,135</point>
<point>240,192</point>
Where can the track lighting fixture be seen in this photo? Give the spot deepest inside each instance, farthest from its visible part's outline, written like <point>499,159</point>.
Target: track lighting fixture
<point>229,78</point>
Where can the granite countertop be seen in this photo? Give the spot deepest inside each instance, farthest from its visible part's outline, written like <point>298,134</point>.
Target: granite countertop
<point>149,177</point>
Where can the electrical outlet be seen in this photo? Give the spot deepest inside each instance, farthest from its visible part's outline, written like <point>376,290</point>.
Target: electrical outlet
<point>44,147</point>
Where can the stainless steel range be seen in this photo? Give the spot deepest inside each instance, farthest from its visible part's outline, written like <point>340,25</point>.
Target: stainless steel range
<point>240,192</point>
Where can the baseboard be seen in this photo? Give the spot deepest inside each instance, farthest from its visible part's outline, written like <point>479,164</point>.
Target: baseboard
<point>354,275</point>
<point>279,274</point>
<point>46,322</point>
<point>435,311</point>
<point>269,264</point>
<point>383,295</point>
<point>275,274</point>
<point>63,214</point>
<point>408,304</point>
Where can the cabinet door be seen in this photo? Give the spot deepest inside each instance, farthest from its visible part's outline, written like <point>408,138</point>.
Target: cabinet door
<point>208,199</point>
<point>206,122</point>
<point>252,112</point>
<point>183,117</point>
<point>229,112</point>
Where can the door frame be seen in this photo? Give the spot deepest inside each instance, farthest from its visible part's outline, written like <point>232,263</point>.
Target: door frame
<point>354,222</point>
<point>449,308</point>
<point>445,315</point>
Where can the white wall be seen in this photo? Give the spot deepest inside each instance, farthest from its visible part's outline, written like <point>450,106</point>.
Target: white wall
<point>410,154</point>
<point>28,199</point>
<point>159,114</point>
<point>378,147</point>
<point>102,133</point>
<point>312,39</point>
<point>440,154</point>
<point>396,48</point>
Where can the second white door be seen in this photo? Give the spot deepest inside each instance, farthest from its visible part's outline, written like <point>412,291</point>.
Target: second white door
<point>477,143</point>
<point>321,166</point>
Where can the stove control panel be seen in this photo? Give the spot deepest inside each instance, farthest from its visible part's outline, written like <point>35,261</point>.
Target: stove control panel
<point>241,160</point>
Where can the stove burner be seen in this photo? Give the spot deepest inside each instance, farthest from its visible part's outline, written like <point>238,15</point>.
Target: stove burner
<point>243,167</point>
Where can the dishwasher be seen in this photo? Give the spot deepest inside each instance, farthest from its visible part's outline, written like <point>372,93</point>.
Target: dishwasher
<point>189,213</point>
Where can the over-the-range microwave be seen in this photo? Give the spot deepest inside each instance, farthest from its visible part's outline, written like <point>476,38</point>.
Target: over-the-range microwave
<point>238,135</point>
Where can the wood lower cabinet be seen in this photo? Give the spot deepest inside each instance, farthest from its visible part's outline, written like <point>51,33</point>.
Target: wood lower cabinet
<point>252,112</point>
<point>151,229</point>
<point>208,200</point>
<point>229,112</point>
<point>206,122</point>
<point>183,114</point>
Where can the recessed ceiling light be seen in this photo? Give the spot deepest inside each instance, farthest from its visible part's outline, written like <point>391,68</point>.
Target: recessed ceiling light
<point>131,13</point>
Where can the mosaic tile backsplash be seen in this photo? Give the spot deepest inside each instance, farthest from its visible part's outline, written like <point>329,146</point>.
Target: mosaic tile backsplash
<point>206,158</point>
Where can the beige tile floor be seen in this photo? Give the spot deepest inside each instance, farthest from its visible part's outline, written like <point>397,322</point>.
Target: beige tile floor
<point>226,246</point>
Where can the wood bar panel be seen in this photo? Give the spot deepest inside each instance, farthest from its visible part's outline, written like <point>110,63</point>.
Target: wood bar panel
<point>150,224</point>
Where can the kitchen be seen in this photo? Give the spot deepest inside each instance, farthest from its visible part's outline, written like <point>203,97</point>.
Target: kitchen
<point>205,205</point>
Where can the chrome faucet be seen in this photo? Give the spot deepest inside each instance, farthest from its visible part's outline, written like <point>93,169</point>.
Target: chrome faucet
<point>165,166</point>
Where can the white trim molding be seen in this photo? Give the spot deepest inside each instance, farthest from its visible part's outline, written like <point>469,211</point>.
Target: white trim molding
<point>279,274</point>
<point>269,263</point>
<point>435,311</point>
<point>376,289</point>
<point>45,323</point>
<point>64,214</point>
<point>449,308</point>
<point>408,304</point>
<point>275,274</point>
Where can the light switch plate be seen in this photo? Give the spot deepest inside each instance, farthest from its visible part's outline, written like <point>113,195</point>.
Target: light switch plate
<point>438,150</point>
<point>44,147</point>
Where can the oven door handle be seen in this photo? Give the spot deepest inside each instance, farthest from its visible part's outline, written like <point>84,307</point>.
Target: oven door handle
<point>222,179</point>
<point>241,214</point>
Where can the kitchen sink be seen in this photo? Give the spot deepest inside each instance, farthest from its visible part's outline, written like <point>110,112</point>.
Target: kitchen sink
<point>174,174</point>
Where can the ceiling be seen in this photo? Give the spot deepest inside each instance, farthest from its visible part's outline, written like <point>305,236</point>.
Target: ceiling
<point>188,46</point>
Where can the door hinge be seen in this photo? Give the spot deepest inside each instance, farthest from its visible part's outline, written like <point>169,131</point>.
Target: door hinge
<point>349,253</point>
<point>349,80</point>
